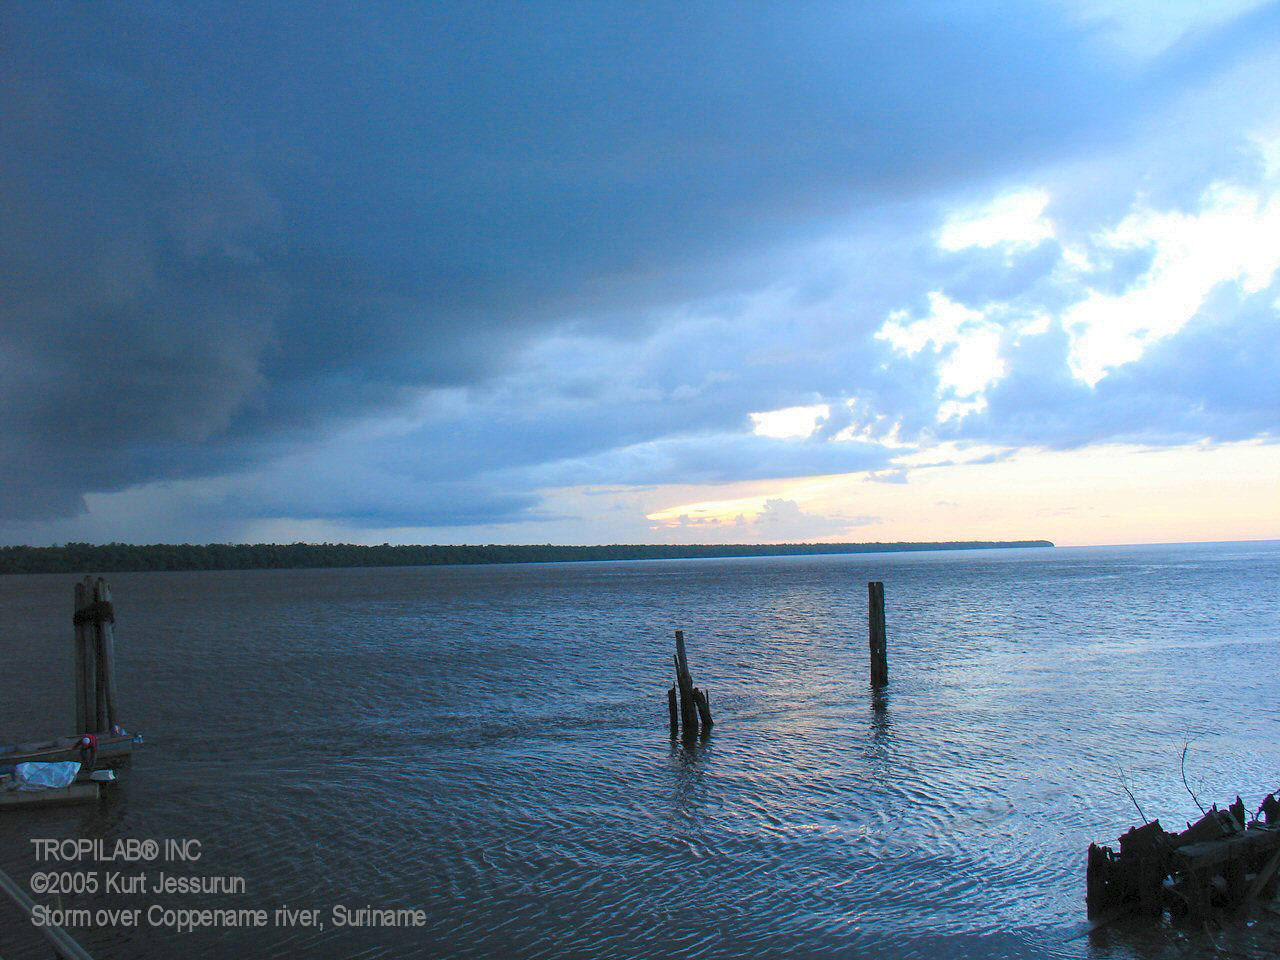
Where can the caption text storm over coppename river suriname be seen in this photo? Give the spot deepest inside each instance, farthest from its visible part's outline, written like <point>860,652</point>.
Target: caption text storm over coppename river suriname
<point>506,480</point>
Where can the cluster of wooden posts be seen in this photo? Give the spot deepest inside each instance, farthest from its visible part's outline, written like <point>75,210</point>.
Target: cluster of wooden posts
<point>96,699</point>
<point>1221,862</point>
<point>687,705</point>
<point>693,714</point>
<point>99,741</point>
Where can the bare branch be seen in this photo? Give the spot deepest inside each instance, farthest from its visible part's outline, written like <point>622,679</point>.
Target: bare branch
<point>1185,744</point>
<point>1124,785</point>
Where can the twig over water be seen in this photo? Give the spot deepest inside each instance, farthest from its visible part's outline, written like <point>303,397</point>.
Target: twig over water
<point>1124,785</point>
<point>1185,744</point>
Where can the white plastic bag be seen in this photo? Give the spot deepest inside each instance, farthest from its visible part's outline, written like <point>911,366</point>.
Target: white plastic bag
<point>30,777</point>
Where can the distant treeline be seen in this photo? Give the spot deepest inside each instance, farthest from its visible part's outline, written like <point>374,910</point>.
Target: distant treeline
<point>111,557</point>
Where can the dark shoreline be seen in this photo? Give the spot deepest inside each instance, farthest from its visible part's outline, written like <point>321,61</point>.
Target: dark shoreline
<point>133,558</point>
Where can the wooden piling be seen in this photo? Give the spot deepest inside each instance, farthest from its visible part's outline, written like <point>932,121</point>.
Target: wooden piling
<point>97,704</point>
<point>81,644</point>
<point>104,626</point>
<point>684,685</point>
<point>704,709</point>
<point>693,702</point>
<point>876,630</point>
<point>89,662</point>
<point>688,713</point>
<point>673,711</point>
<point>100,707</point>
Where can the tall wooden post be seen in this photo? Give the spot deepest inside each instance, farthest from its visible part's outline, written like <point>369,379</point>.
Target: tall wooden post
<point>688,709</point>
<point>86,658</point>
<point>876,631</point>
<point>104,626</point>
<point>81,646</point>
<point>100,685</point>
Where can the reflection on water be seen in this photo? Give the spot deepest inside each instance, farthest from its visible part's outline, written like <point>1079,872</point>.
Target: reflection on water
<point>879,714</point>
<point>491,745</point>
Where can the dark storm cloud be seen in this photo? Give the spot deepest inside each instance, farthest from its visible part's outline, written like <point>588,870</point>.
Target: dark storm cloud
<point>225,230</point>
<point>716,459</point>
<point>362,486</point>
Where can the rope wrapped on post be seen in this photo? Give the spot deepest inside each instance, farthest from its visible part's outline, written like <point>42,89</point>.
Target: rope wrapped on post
<point>99,611</point>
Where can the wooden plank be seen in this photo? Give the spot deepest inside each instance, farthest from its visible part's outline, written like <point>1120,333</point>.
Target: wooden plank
<point>109,749</point>
<point>1207,828</point>
<point>1215,853</point>
<point>1262,879</point>
<point>76,793</point>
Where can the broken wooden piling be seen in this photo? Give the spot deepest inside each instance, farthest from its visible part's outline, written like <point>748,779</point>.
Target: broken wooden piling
<point>704,708</point>
<point>694,710</point>
<point>876,634</point>
<point>684,683</point>
<point>1219,862</point>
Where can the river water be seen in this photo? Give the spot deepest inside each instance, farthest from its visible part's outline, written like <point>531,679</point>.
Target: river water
<point>489,745</point>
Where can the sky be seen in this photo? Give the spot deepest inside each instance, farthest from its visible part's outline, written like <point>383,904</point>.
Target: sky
<point>598,273</point>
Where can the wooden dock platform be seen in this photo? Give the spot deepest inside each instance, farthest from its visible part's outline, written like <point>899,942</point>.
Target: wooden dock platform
<point>75,793</point>
<point>1220,863</point>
